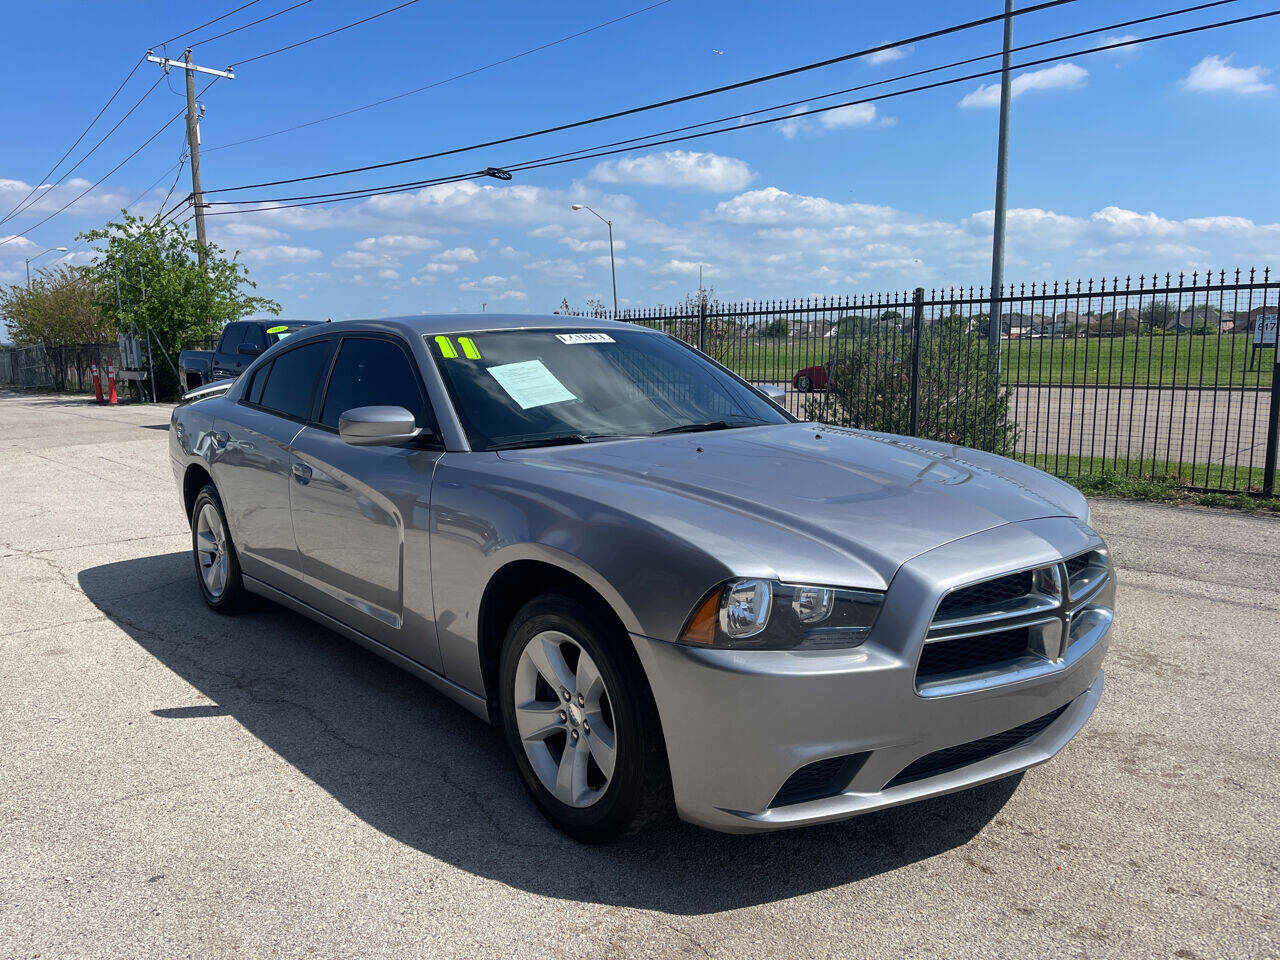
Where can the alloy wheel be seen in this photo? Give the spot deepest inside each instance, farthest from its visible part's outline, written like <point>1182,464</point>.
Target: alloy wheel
<point>565,718</point>
<point>211,548</point>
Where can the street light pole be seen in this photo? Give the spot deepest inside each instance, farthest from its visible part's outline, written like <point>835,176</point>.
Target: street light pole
<point>613,269</point>
<point>37,257</point>
<point>1002,185</point>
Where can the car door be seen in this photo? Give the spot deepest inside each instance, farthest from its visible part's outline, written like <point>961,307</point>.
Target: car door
<point>361,513</point>
<point>252,459</point>
<point>226,351</point>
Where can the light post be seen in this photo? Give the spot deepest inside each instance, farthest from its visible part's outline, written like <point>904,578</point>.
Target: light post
<point>613,270</point>
<point>37,257</point>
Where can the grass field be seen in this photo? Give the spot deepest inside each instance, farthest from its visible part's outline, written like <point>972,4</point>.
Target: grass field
<point>1182,360</point>
<point>1096,470</point>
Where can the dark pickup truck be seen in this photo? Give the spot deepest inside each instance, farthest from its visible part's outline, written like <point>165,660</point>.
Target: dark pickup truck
<point>239,346</point>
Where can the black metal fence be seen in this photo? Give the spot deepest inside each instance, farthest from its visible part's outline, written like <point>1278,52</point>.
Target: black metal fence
<point>1167,377</point>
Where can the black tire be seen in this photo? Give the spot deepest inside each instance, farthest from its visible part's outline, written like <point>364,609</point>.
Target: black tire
<point>803,383</point>
<point>233,597</point>
<point>639,791</point>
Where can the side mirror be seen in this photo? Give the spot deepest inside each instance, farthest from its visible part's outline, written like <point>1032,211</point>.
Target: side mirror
<point>248,350</point>
<point>371,426</point>
<point>775,393</point>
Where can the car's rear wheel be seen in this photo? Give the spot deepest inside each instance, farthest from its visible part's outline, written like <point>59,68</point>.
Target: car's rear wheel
<point>803,383</point>
<point>214,553</point>
<point>581,722</point>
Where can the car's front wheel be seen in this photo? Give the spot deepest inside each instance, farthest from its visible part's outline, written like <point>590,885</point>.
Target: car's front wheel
<point>581,722</point>
<point>216,562</point>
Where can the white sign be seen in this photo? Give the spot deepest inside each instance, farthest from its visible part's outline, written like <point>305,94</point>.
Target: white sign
<point>584,338</point>
<point>1264,333</point>
<point>530,384</point>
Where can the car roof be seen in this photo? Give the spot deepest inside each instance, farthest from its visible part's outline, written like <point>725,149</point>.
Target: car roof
<point>430,324</point>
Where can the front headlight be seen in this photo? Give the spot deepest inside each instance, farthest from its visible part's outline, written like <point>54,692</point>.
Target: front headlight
<point>770,615</point>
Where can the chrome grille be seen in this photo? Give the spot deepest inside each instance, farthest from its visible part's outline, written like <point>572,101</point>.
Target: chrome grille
<point>1006,627</point>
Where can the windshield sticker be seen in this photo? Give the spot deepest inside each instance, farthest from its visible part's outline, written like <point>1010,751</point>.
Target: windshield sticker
<point>530,384</point>
<point>280,329</point>
<point>469,349</point>
<point>584,338</point>
<point>447,349</point>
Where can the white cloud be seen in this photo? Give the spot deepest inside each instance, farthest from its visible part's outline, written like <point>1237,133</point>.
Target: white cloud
<point>1121,38</point>
<point>1216,75</point>
<point>1062,76</point>
<point>677,168</point>
<point>15,246</point>
<point>440,268</point>
<point>488,284</point>
<point>854,115</point>
<point>513,295</point>
<point>280,253</point>
<point>790,127</point>
<point>590,246</point>
<point>887,56</point>
<point>397,243</point>
<point>388,274</point>
<point>459,255</point>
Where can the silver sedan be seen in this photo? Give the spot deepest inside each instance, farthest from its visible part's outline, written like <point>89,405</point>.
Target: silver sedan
<point>669,593</point>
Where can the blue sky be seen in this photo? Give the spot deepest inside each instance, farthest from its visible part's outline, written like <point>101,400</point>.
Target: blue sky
<point>1159,158</point>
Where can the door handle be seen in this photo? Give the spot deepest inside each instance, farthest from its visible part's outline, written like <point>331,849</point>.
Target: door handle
<point>301,473</point>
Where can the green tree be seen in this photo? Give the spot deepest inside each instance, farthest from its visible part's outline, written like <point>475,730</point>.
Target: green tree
<point>777,327</point>
<point>162,288</point>
<point>961,400</point>
<point>1158,315</point>
<point>60,313</point>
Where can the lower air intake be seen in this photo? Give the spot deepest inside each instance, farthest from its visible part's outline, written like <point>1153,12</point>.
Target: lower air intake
<point>952,758</point>
<point>822,778</point>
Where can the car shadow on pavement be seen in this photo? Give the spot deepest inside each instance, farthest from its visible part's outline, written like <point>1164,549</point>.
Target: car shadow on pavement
<point>420,769</point>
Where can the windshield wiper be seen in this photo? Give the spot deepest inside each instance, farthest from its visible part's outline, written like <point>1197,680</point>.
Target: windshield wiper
<point>708,425</point>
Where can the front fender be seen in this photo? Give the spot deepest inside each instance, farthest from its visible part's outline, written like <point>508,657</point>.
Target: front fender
<point>482,520</point>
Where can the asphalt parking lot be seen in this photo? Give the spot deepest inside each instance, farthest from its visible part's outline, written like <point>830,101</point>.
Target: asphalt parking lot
<point>178,784</point>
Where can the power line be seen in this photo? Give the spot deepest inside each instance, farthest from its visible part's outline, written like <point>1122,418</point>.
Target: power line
<point>208,23</point>
<point>83,134</point>
<point>904,76</point>
<point>365,193</point>
<point>246,26</point>
<point>103,139</point>
<point>168,123</point>
<point>330,33</point>
<point>662,103</point>
<point>438,83</point>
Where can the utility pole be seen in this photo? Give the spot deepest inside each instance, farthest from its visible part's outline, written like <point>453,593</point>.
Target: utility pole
<point>1002,186</point>
<point>193,132</point>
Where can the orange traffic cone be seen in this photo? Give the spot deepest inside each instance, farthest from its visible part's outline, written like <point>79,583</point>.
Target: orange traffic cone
<point>111,383</point>
<point>97,383</point>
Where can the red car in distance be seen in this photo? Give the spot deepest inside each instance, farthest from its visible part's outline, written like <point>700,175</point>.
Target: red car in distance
<point>812,378</point>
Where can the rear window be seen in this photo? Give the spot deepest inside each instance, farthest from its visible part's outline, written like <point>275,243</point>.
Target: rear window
<point>293,378</point>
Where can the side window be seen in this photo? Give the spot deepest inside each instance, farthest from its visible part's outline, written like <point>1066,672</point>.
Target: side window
<point>231,338</point>
<point>254,392</point>
<point>254,336</point>
<point>290,387</point>
<point>373,373</point>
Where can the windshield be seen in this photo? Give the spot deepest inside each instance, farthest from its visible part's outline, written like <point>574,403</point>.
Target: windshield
<point>525,387</point>
<point>278,331</point>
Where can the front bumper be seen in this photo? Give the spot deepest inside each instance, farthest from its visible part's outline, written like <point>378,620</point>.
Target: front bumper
<point>738,724</point>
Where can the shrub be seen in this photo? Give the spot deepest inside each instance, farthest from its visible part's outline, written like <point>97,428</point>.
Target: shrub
<point>961,400</point>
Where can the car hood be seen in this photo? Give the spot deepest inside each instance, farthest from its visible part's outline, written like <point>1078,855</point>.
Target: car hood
<point>807,501</point>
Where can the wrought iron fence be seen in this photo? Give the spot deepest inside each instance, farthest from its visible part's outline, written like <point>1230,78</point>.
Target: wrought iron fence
<point>1169,377</point>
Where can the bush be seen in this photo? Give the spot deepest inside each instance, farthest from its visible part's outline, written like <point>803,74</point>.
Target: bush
<point>961,400</point>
